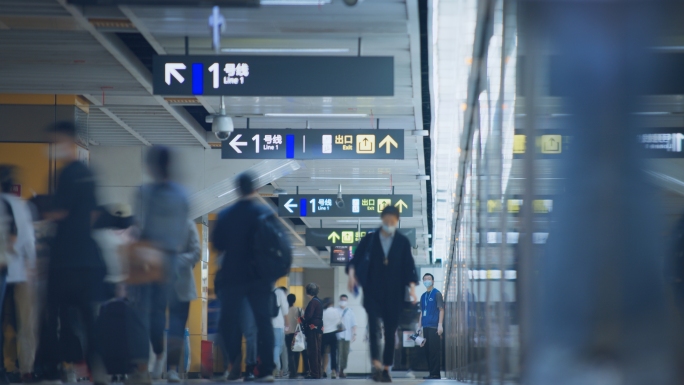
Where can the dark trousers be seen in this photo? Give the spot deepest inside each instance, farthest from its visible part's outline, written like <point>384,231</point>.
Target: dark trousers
<point>330,340</point>
<point>433,350</point>
<point>259,299</point>
<point>69,290</point>
<point>389,316</point>
<point>313,350</point>
<point>292,357</point>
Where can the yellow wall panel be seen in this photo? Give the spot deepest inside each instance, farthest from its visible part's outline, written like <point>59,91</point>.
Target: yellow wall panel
<point>33,163</point>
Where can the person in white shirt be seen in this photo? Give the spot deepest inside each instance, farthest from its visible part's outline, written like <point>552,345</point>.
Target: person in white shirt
<point>280,325</point>
<point>348,335</point>
<point>332,318</point>
<point>21,259</point>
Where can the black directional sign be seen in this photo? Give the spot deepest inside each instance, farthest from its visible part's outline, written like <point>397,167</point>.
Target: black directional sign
<point>346,237</point>
<point>314,144</point>
<point>325,206</point>
<point>273,75</point>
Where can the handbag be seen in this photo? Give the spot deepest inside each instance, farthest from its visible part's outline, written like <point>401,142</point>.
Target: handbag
<point>299,341</point>
<point>340,325</point>
<point>144,263</point>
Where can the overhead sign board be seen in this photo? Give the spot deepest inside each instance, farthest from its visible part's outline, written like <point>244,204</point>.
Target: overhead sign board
<point>340,255</point>
<point>663,143</point>
<point>169,3</point>
<point>217,75</point>
<point>325,237</point>
<point>359,205</point>
<point>314,144</point>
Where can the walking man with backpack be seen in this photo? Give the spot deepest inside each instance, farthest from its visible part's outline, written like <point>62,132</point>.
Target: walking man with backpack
<point>256,252</point>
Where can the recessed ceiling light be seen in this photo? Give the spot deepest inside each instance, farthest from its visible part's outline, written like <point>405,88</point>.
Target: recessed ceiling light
<point>285,50</point>
<point>286,115</point>
<point>294,2</point>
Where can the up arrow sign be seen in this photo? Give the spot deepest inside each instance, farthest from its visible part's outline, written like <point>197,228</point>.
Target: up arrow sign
<point>171,69</point>
<point>334,237</point>
<point>388,141</point>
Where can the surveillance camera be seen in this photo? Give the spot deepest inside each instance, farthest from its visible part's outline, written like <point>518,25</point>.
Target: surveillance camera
<point>222,126</point>
<point>352,2</point>
<point>339,202</point>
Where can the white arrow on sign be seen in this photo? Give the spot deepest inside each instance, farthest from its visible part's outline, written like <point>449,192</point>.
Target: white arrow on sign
<point>171,69</point>
<point>289,205</point>
<point>234,143</point>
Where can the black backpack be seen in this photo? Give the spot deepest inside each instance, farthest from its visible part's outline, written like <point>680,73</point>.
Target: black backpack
<point>272,249</point>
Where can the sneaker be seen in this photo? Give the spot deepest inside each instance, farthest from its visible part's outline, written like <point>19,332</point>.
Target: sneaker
<point>410,374</point>
<point>325,375</point>
<point>265,379</point>
<point>173,377</point>
<point>432,378</point>
<point>234,377</point>
<point>377,375</point>
<point>28,378</point>
<point>249,377</point>
<point>70,375</point>
<point>157,370</point>
<point>342,375</point>
<point>333,374</point>
<point>386,376</point>
<point>139,378</point>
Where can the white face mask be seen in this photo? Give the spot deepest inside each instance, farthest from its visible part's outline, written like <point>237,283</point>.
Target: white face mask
<point>389,229</point>
<point>343,304</point>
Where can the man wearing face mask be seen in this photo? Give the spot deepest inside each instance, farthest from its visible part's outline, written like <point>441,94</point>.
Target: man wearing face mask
<point>383,266</point>
<point>431,318</point>
<point>348,335</point>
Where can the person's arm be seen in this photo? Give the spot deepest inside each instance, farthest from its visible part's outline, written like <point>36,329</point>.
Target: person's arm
<point>353,323</point>
<point>440,328</point>
<point>351,265</point>
<point>284,309</point>
<point>410,274</point>
<point>440,305</point>
<point>193,251</point>
<point>217,236</point>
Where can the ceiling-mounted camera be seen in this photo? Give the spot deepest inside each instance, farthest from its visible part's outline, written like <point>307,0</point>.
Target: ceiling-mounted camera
<point>352,2</point>
<point>339,202</point>
<point>221,124</point>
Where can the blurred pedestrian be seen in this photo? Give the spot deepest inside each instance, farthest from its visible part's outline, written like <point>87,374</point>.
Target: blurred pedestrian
<point>383,265</point>
<point>76,270</point>
<point>183,291</point>
<point>20,267</point>
<point>332,321</point>
<point>313,326</point>
<point>234,236</point>
<point>294,314</point>
<point>280,325</point>
<point>162,211</point>
<point>346,336</point>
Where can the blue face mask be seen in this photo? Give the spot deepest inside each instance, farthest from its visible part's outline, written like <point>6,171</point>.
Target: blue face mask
<point>427,284</point>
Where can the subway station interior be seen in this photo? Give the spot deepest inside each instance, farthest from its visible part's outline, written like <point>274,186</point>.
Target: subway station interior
<point>531,150</point>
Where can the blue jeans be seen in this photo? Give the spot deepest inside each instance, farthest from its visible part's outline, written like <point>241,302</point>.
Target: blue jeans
<point>279,335</point>
<point>249,330</point>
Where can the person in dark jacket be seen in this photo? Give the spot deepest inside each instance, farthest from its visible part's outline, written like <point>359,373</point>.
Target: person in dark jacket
<point>313,328</point>
<point>234,237</point>
<point>383,265</point>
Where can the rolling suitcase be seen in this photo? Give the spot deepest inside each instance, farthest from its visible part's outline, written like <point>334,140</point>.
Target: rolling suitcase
<point>121,337</point>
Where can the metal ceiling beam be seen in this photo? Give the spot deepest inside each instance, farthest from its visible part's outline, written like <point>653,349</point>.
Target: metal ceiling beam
<point>142,28</point>
<point>116,119</point>
<point>123,55</point>
<point>414,50</point>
